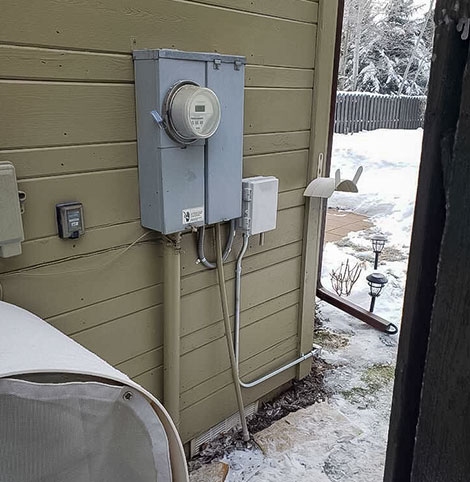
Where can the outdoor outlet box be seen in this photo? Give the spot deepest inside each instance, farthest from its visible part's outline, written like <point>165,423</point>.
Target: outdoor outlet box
<point>259,207</point>
<point>70,222</point>
<point>11,224</point>
<point>189,135</point>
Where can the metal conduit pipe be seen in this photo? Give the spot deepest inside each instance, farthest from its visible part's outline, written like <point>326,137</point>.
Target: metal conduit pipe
<point>172,326</point>
<point>238,277</point>
<point>228,333</point>
<point>228,245</point>
<point>316,349</point>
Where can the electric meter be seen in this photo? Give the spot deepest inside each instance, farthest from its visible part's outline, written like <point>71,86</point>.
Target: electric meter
<point>189,108</point>
<point>192,112</point>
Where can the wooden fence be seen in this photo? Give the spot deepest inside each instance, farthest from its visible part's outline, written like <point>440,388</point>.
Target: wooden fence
<point>359,111</point>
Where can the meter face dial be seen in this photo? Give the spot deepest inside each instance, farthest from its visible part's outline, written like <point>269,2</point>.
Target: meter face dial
<point>203,117</point>
<point>194,112</point>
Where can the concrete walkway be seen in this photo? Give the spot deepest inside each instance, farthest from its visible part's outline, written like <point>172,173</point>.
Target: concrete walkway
<point>340,223</point>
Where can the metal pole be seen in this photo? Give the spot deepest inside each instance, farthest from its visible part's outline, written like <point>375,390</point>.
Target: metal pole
<point>372,304</point>
<point>172,326</point>
<point>376,262</point>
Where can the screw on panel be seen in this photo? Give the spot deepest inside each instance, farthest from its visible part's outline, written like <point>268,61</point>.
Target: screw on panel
<point>22,199</point>
<point>217,63</point>
<point>247,194</point>
<point>237,65</point>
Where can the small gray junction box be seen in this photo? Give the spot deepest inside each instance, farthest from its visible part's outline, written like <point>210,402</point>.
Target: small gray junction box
<point>190,137</point>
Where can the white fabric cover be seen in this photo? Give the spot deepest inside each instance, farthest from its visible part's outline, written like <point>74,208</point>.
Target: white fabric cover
<point>30,348</point>
<point>79,432</point>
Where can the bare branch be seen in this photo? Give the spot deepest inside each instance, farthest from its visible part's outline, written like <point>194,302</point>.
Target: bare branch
<point>344,278</point>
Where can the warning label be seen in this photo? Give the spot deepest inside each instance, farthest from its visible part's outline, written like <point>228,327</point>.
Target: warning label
<point>193,215</point>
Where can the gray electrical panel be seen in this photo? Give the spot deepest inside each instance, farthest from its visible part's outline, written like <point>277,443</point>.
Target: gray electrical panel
<point>11,224</point>
<point>188,182</point>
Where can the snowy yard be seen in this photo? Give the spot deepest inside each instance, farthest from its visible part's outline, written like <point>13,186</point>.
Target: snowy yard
<point>387,191</point>
<point>344,439</point>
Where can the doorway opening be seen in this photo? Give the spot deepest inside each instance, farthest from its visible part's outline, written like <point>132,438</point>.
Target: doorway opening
<point>384,65</point>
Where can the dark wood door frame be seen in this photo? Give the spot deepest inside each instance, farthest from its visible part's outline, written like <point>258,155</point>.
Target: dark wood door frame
<point>429,436</point>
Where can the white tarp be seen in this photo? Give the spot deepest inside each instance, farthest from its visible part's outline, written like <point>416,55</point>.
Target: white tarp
<point>56,426</point>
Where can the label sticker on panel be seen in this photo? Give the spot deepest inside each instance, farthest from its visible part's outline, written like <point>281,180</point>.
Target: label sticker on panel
<point>193,215</point>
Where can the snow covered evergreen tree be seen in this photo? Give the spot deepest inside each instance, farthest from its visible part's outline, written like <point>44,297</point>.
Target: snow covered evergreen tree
<point>386,47</point>
<point>359,34</point>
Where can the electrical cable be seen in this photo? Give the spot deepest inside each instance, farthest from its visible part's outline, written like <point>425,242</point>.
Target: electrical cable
<point>228,333</point>
<point>227,249</point>
<point>82,270</point>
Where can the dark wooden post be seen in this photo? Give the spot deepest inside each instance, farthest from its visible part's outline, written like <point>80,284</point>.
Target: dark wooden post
<point>429,437</point>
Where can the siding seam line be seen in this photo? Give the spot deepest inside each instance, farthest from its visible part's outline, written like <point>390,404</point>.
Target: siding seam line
<point>246,12</point>
<point>225,386</point>
<point>125,54</point>
<point>160,347</point>
<point>56,315</point>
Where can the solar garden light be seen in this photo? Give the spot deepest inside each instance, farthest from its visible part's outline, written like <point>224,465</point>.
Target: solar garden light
<point>376,282</point>
<point>378,244</point>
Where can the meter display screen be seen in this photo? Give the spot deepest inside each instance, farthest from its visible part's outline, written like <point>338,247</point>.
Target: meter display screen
<point>194,112</point>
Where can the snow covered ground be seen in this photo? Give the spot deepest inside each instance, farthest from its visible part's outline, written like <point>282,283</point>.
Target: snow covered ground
<point>344,439</point>
<point>387,191</point>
